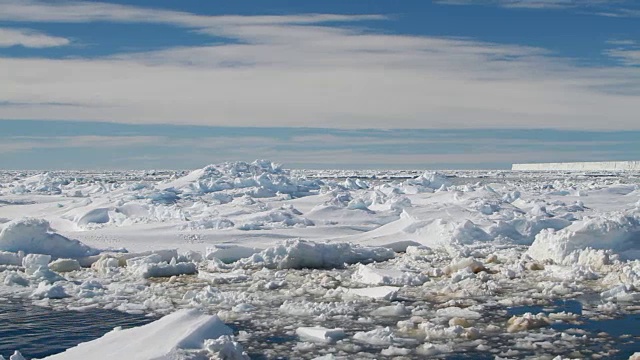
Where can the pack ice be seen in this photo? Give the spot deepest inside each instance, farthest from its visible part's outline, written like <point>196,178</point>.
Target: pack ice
<point>327,264</point>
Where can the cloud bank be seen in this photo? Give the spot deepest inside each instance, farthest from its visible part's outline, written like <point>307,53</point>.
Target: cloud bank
<point>61,145</point>
<point>310,70</point>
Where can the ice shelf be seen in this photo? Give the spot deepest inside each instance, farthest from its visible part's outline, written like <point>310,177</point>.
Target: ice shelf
<point>581,166</point>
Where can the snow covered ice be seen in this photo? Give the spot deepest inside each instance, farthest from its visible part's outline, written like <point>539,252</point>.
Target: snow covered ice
<point>168,338</point>
<point>241,260</point>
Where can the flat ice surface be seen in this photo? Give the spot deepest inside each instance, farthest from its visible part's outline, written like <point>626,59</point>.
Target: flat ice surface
<point>320,334</point>
<point>406,263</point>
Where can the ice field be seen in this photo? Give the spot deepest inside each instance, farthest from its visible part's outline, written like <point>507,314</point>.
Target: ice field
<point>251,260</point>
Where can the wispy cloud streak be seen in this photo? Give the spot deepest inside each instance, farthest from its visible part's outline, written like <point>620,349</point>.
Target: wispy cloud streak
<point>536,4</point>
<point>29,38</point>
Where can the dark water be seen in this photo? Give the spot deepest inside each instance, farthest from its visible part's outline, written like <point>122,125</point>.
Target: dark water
<point>38,332</point>
<point>624,331</point>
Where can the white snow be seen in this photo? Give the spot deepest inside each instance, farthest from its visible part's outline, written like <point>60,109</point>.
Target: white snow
<point>379,336</point>
<point>31,262</point>
<point>320,334</point>
<point>162,339</point>
<point>262,177</point>
<point>378,292</point>
<point>454,311</point>
<point>45,290</point>
<point>64,265</point>
<point>34,236</point>
<point>298,254</point>
<point>367,274</point>
<point>153,266</point>
<point>617,232</point>
<point>163,269</point>
<point>229,253</point>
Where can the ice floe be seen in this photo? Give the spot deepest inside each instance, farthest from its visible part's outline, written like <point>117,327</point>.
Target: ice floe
<point>171,337</point>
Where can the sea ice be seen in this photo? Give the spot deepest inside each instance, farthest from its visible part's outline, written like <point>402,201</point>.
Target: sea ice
<point>64,265</point>
<point>367,274</point>
<point>441,255</point>
<point>229,253</point>
<point>320,334</point>
<point>617,232</point>
<point>379,336</point>
<point>377,292</point>
<point>298,254</point>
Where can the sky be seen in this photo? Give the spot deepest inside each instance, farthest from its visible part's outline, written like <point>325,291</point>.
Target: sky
<point>403,84</point>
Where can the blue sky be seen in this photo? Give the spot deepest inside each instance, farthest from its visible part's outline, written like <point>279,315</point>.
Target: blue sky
<point>322,84</point>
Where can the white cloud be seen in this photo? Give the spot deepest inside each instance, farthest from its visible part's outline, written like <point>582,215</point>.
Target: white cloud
<point>626,52</point>
<point>108,141</point>
<point>17,146</point>
<point>29,38</point>
<point>319,150</point>
<point>535,4</point>
<point>21,143</point>
<point>299,71</point>
<point>621,13</point>
<point>608,8</point>
<point>621,42</point>
<point>626,56</point>
<point>95,11</point>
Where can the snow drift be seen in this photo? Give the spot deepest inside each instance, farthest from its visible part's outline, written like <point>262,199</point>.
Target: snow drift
<point>34,236</point>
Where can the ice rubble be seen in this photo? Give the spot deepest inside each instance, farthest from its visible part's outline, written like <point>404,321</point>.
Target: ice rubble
<point>380,336</point>
<point>49,291</point>
<point>188,199</point>
<point>427,182</point>
<point>131,211</point>
<point>153,266</point>
<point>298,254</point>
<point>264,177</point>
<point>46,183</point>
<point>366,274</point>
<point>618,233</point>
<point>527,321</point>
<point>180,335</point>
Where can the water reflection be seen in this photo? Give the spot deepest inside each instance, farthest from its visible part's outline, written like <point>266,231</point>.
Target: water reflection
<point>622,332</point>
